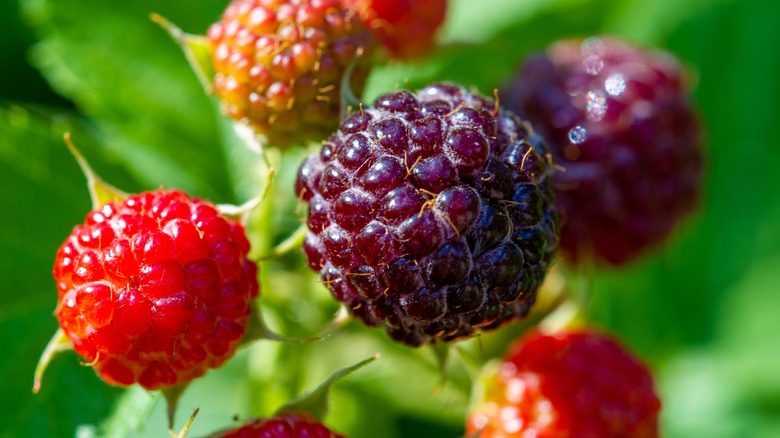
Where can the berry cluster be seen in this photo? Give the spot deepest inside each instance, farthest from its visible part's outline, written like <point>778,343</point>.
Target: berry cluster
<point>431,214</point>
<point>155,289</point>
<point>620,123</point>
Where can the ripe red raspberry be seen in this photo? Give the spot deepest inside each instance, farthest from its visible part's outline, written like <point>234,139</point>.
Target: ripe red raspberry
<point>430,214</point>
<point>620,122</point>
<point>279,65</point>
<point>573,384</point>
<point>155,289</point>
<point>406,28</point>
<point>290,425</point>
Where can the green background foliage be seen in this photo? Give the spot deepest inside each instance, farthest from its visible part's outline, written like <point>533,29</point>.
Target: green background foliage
<point>701,310</point>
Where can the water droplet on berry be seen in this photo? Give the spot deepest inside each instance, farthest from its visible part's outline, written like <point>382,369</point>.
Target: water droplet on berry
<point>577,135</point>
<point>615,84</point>
<point>596,107</point>
<point>593,64</point>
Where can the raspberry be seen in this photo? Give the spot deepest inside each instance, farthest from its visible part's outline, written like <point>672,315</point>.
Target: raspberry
<point>572,384</point>
<point>290,425</point>
<point>406,28</point>
<point>155,289</point>
<point>619,121</point>
<point>430,214</point>
<point>279,65</point>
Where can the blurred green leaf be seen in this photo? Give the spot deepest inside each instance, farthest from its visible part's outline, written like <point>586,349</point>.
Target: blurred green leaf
<point>126,72</point>
<point>651,22</point>
<point>733,380</point>
<point>42,194</point>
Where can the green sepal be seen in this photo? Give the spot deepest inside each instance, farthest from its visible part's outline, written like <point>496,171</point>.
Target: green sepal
<point>241,212</point>
<point>196,49</point>
<point>347,97</point>
<point>441,352</point>
<point>315,402</point>
<point>257,330</point>
<point>172,396</point>
<point>184,430</point>
<point>58,343</point>
<point>293,241</point>
<point>100,191</point>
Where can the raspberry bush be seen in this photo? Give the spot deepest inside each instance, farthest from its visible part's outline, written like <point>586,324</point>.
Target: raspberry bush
<point>697,310</point>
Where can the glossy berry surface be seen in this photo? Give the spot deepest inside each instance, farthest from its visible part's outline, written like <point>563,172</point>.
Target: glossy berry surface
<point>579,384</point>
<point>291,425</point>
<point>620,122</point>
<point>406,28</point>
<point>155,289</point>
<point>430,214</point>
<point>279,65</point>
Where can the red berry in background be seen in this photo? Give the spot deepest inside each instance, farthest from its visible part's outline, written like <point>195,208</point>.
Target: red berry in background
<point>430,214</point>
<point>155,289</point>
<point>290,425</point>
<point>621,123</point>
<point>279,65</point>
<point>578,384</point>
<point>406,28</point>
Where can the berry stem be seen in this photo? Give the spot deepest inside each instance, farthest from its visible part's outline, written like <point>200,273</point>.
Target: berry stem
<point>293,241</point>
<point>570,293</point>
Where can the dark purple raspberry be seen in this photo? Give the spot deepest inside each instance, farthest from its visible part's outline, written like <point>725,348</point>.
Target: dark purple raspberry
<point>620,122</point>
<point>433,216</point>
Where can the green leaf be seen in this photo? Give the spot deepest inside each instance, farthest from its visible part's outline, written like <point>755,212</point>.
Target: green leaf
<point>43,196</point>
<point>733,380</point>
<point>129,75</point>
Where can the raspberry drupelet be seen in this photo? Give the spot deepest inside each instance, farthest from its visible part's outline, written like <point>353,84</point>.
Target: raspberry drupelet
<point>431,214</point>
<point>155,289</point>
